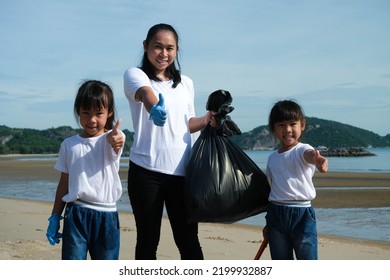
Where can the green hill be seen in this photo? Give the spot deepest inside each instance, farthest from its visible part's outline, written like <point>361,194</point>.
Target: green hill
<point>48,141</point>
<point>318,133</point>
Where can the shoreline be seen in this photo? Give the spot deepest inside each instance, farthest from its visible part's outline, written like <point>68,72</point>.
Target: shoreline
<point>334,189</point>
<point>24,223</point>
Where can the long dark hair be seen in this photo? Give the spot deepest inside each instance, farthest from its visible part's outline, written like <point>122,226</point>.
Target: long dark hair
<point>148,68</point>
<point>95,94</point>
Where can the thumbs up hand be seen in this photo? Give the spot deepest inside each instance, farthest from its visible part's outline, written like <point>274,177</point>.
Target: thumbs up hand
<point>158,113</point>
<point>115,137</point>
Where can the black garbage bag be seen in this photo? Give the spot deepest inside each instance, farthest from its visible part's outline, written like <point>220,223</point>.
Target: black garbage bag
<point>223,184</point>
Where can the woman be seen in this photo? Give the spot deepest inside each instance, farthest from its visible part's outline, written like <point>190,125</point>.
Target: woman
<point>161,102</point>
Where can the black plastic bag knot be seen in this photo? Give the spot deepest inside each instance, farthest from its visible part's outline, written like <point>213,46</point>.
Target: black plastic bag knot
<point>220,101</point>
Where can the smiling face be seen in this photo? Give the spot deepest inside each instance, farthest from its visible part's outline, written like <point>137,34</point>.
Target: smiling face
<point>161,51</point>
<point>93,121</point>
<point>288,133</point>
<point>287,122</point>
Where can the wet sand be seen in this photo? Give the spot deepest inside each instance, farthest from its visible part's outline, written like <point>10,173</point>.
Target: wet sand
<point>334,189</point>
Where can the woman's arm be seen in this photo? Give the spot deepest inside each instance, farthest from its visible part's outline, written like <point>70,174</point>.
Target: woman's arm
<point>198,123</point>
<point>146,95</point>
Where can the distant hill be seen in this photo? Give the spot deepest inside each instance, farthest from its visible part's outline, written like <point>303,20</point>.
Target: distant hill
<point>318,133</point>
<point>48,141</point>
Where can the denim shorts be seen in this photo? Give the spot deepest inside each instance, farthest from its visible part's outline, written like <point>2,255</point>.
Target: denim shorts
<point>88,230</point>
<point>292,230</point>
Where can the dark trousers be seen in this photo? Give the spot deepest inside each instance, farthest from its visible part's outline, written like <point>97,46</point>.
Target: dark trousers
<point>148,192</point>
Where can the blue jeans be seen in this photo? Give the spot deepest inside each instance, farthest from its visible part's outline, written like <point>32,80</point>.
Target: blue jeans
<point>292,229</point>
<point>90,230</point>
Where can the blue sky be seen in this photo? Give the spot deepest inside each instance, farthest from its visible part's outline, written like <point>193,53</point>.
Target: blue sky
<point>331,56</point>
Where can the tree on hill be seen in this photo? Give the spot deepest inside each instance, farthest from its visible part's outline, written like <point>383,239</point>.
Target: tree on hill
<point>318,132</point>
<point>48,141</point>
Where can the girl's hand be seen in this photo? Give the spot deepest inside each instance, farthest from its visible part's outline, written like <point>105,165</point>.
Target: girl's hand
<point>265,233</point>
<point>115,138</point>
<point>314,157</point>
<point>320,162</point>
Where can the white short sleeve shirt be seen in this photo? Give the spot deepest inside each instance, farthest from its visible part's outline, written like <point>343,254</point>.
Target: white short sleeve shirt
<point>163,149</point>
<point>290,175</point>
<point>93,168</point>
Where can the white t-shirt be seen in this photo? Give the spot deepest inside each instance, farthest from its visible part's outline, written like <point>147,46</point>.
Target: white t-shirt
<point>163,149</point>
<point>291,176</point>
<point>93,168</point>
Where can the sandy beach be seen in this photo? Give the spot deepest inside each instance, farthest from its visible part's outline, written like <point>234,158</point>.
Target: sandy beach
<point>24,222</point>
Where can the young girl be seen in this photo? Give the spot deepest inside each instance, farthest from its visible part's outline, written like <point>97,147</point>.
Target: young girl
<point>89,185</point>
<point>161,102</point>
<point>291,222</point>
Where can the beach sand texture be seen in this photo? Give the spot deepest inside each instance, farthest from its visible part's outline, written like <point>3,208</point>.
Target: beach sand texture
<point>24,222</point>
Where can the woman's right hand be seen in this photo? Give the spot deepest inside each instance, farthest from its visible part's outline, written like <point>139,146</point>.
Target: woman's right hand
<point>158,113</point>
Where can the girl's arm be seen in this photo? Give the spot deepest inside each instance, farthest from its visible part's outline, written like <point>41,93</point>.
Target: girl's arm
<point>52,234</point>
<point>62,190</point>
<point>314,157</point>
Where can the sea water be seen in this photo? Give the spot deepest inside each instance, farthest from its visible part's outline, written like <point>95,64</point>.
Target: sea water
<point>360,223</point>
<point>378,163</point>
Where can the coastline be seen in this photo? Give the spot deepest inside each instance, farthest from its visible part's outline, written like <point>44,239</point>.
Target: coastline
<point>334,189</point>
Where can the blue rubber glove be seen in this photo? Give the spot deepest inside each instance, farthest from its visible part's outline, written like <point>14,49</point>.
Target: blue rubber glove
<point>158,113</point>
<point>52,233</point>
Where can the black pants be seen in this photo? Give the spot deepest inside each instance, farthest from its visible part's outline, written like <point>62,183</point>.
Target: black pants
<point>148,191</point>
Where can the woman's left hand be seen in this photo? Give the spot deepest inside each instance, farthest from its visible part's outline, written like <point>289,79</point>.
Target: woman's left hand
<point>213,122</point>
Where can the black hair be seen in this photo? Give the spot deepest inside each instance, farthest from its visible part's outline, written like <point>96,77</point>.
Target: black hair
<point>148,68</point>
<point>285,110</point>
<point>95,94</point>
